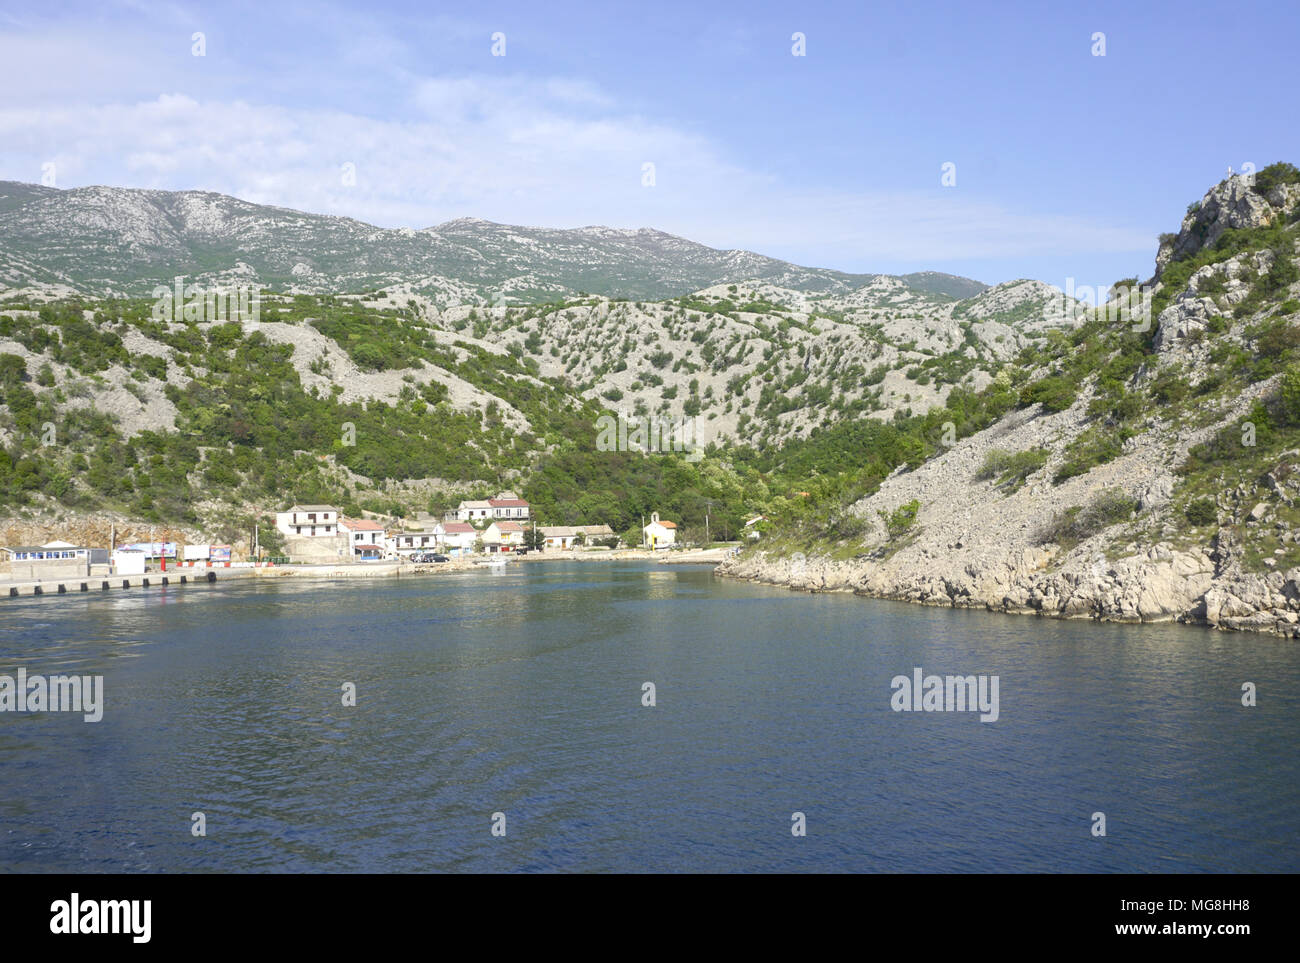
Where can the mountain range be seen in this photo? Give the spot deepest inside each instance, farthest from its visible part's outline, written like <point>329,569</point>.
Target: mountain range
<point>108,241</point>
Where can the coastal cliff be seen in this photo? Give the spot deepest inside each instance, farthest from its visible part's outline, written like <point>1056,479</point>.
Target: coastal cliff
<point>1153,491</point>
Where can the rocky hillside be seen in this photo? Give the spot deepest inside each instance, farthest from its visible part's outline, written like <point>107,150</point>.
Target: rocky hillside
<point>106,241</point>
<point>445,400</point>
<point>1134,472</point>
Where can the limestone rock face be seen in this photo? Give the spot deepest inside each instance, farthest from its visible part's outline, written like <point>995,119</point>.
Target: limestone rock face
<point>1232,203</point>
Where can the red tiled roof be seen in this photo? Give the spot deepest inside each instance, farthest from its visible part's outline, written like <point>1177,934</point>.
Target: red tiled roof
<point>457,528</point>
<point>508,526</point>
<point>667,524</point>
<point>362,525</point>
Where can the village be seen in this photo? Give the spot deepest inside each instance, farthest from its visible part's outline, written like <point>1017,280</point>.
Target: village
<point>311,536</point>
<point>496,526</point>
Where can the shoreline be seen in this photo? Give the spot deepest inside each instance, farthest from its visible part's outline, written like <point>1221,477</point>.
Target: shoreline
<point>87,584</point>
<point>1203,602</point>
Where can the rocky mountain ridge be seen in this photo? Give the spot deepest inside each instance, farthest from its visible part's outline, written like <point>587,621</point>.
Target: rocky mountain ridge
<point>107,241</point>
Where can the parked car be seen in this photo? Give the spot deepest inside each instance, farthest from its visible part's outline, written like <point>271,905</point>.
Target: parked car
<point>426,557</point>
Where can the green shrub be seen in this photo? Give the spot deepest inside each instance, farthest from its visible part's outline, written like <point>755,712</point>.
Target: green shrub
<point>1289,396</point>
<point>1275,174</point>
<point>1201,512</point>
<point>1080,522</point>
<point>1216,283</point>
<point>1010,469</point>
<point>901,519</point>
<point>1283,271</point>
<point>1169,388</point>
<point>1054,393</point>
<point>1279,339</point>
<point>1096,446</point>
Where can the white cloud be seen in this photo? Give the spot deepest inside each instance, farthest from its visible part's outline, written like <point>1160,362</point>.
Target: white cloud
<point>549,151</point>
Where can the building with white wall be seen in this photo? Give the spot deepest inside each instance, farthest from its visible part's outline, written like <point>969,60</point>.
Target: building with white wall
<point>366,538</point>
<point>308,521</point>
<point>659,534</point>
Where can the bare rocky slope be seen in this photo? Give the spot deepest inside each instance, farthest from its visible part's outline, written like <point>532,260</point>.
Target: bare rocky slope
<point>102,241</point>
<point>979,542</point>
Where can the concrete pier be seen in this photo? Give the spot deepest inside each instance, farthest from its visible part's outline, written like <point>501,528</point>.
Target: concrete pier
<point>153,579</point>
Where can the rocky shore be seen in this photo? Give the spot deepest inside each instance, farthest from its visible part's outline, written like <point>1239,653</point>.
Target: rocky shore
<point>1158,586</point>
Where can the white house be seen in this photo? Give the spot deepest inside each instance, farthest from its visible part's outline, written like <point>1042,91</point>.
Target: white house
<point>563,536</point>
<point>509,505</point>
<point>366,538</point>
<point>470,511</point>
<point>455,538</point>
<point>659,534</point>
<point>405,543</point>
<point>503,536</point>
<point>308,521</point>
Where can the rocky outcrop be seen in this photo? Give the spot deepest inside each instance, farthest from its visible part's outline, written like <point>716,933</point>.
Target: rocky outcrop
<point>1159,586</point>
<point>1233,203</point>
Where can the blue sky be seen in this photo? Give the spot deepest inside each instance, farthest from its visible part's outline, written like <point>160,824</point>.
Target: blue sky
<point>1067,164</point>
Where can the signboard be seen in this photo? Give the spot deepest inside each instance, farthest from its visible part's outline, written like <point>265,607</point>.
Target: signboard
<point>152,549</point>
<point>128,562</point>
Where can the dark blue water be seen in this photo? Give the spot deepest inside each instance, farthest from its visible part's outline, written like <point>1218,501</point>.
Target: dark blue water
<point>521,693</point>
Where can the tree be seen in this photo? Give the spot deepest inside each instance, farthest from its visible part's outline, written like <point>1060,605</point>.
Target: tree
<point>1290,395</point>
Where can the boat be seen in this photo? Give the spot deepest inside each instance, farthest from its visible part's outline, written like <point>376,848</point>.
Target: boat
<point>495,561</point>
